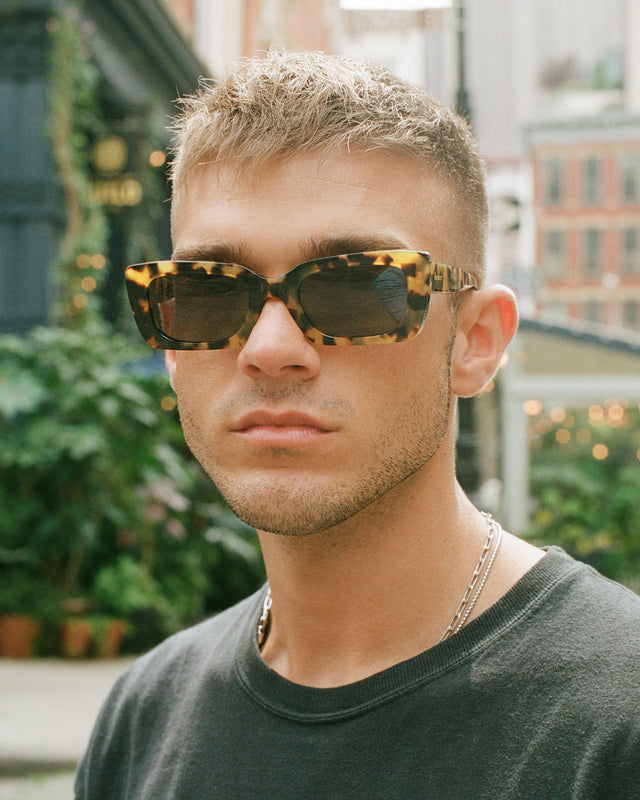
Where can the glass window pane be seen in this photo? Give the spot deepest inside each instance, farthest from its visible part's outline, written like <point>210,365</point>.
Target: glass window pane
<point>554,254</point>
<point>592,258</point>
<point>554,181</point>
<point>629,165</point>
<point>630,251</point>
<point>592,180</point>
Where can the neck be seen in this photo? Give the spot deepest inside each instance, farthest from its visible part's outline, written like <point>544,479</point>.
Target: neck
<point>374,591</point>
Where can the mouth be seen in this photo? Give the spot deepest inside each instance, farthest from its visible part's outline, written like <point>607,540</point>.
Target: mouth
<point>284,428</point>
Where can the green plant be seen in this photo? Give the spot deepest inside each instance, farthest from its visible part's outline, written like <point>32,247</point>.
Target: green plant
<point>94,473</point>
<point>23,592</point>
<point>585,480</point>
<point>123,587</point>
<point>95,478</point>
<point>108,635</point>
<point>78,434</point>
<point>125,590</point>
<point>234,559</point>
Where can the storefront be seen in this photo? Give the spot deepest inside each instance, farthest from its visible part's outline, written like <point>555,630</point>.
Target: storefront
<point>86,94</point>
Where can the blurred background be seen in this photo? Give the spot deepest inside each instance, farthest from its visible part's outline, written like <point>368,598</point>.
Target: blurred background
<point>110,535</point>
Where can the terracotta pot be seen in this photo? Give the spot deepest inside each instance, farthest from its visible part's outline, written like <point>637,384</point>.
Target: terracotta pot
<point>109,640</point>
<point>76,638</point>
<point>18,633</point>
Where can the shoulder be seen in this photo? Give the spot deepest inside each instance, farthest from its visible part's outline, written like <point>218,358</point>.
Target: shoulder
<point>577,609</point>
<point>591,676</point>
<point>565,625</point>
<point>159,698</point>
<point>579,636</point>
<point>179,664</point>
<point>595,602</point>
<point>559,667</point>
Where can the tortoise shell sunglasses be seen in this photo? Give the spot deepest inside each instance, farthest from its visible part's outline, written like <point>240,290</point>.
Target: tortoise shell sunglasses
<point>361,298</point>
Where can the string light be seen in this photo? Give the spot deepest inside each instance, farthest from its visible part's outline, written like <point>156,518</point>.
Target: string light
<point>616,414</point>
<point>596,413</point>
<point>532,408</point>
<point>158,158</point>
<point>600,452</point>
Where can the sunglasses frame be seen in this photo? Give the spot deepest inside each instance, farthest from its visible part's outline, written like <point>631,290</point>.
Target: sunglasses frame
<point>424,277</point>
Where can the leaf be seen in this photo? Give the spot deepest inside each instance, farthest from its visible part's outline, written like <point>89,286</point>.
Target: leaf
<point>20,393</point>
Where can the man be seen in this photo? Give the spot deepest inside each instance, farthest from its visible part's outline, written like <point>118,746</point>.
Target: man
<point>406,646</point>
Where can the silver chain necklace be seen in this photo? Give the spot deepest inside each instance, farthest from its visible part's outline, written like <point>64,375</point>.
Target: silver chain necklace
<point>466,605</point>
<point>478,579</point>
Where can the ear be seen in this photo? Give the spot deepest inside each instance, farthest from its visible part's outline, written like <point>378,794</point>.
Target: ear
<point>170,363</point>
<point>487,321</point>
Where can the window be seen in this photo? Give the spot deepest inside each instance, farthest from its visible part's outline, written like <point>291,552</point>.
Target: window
<point>554,254</point>
<point>630,314</point>
<point>592,256</point>
<point>553,182</point>
<point>629,166</point>
<point>592,180</point>
<point>593,311</point>
<point>630,251</point>
<point>555,309</point>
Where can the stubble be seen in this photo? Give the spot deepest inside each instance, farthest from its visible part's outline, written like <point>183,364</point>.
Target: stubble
<point>303,503</point>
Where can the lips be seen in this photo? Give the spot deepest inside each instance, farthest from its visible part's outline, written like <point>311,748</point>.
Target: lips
<point>262,419</point>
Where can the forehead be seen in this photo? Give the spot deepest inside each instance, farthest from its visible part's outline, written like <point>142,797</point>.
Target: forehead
<point>282,206</point>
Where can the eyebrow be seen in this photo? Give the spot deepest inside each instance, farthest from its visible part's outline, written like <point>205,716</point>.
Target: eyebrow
<point>353,243</point>
<point>311,249</point>
<point>223,253</point>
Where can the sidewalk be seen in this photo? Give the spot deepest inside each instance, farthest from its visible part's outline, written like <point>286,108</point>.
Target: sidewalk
<point>47,711</point>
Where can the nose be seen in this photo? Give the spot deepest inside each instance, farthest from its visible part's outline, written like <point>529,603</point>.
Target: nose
<point>277,348</point>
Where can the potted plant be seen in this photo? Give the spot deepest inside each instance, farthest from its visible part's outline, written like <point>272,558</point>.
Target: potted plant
<point>125,591</point>
<point>76,637</point>
<point>28,610</point>
<point>108,635</point>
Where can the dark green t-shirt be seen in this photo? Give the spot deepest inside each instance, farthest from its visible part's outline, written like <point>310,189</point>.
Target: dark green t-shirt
<point>539,697</point>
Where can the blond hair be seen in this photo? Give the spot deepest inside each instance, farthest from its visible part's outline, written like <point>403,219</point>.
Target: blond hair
<point>286,103</point>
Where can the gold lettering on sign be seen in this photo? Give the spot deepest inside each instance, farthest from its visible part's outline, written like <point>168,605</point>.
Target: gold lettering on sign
<point>117,192</point>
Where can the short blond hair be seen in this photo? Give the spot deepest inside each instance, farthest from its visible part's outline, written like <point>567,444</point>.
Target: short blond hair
<point>287,103</point>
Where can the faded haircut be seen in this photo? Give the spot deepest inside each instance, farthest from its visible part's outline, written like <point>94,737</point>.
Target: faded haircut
<point>288,103</point>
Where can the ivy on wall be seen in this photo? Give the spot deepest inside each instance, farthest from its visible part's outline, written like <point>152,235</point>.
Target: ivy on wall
<point>74,120</point>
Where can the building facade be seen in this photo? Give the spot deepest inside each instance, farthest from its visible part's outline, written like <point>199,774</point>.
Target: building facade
<point>587,210</point>
<point>227,30</point>
<point>133,59</point>
<point>418,46</point>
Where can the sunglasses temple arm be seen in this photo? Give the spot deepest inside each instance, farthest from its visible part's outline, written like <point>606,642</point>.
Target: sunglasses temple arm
<point>447,279</point>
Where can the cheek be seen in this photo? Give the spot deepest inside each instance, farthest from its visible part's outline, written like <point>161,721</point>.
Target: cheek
<point>395,369</point>
<point>389,383</point>
<point>200,377</point>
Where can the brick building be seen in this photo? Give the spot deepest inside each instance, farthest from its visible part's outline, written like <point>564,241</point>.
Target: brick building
<point>587,211</point>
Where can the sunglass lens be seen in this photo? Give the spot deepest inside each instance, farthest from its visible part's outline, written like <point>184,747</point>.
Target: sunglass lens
<point>353,302</point>
<point>198,308</point>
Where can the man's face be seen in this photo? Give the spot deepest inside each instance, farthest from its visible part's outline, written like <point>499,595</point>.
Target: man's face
<point>300,437</point>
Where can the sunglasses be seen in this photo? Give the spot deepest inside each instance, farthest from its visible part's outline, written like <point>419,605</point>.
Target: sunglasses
<point>361,298</point>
